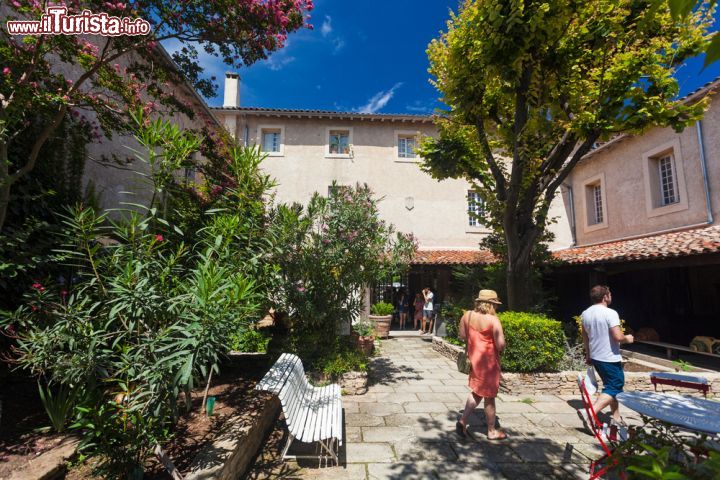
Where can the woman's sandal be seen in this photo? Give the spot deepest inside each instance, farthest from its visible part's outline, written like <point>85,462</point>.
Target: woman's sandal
<point>460,430</point>
<point>501,436</point>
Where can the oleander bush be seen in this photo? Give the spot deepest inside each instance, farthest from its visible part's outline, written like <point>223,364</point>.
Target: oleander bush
<point>145,312</point>
<point>535,343</point>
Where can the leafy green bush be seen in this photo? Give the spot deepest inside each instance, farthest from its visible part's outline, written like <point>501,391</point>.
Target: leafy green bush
<point>342,359</point>
<point>451,314</point>
<point>535,343</point>
<point>658,450</point>
<point>382,308</point>
<point>59,405</point>
<point>146,312</point>
<point>328,251</point>
<point>250,341</point>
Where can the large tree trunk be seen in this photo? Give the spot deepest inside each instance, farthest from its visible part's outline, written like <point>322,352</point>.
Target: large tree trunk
<point>519,280</point>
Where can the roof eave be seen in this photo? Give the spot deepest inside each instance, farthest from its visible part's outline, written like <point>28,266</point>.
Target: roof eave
<point>325,114</point>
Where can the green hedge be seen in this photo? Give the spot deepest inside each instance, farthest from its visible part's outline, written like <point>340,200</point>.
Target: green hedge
<point>535,343</point>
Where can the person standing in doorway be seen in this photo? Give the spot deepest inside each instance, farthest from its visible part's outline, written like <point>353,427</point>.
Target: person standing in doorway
<point>602,336</point>
<point>427,310</point>
<point>418,313</point>
<point>403,307</point>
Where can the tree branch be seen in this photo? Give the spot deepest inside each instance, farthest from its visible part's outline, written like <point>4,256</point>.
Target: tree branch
<point>490,159</point>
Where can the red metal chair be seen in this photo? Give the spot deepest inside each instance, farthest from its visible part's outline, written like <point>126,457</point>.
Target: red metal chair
<point>605,436</point>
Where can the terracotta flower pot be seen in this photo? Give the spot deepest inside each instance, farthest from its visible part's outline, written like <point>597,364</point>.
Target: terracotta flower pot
<point>365,344</point>
<point>382,324</point>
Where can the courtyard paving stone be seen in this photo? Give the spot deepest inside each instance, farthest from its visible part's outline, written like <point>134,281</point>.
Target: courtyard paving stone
<point>404,427</point>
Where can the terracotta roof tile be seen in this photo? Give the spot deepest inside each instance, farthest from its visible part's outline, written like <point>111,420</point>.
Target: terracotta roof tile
<point>668,245</point>
<point>327,113</point>
<point>452,257</point>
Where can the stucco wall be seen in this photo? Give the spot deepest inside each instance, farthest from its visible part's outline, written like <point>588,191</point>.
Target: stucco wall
<point>628,210</point>
<point>434,211</point>
<point>111,177</point>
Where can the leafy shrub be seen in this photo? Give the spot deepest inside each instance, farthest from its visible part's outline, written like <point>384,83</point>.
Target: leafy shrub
<point>58,405</point>
<point>250,340</point>
<point>452,313</point>
<point>660,450</point>
<point>534,342</point>
<point>346,358</point>
<point>145,314</point>
<point>328,252</point>
<point>382,308</point>
<point>364,328</point>
<point>573,357</point>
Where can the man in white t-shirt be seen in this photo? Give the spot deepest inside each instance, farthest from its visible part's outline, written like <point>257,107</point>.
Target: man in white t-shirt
<point>602,336</point>
<point>427,310</point>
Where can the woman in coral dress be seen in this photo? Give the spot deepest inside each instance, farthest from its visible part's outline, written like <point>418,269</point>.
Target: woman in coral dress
<point>482,331</point>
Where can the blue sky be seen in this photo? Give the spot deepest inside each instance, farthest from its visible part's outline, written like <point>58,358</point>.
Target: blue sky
<point>365,56</point>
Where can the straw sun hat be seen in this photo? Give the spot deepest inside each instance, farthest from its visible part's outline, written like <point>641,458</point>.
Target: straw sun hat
<point>488,296</point>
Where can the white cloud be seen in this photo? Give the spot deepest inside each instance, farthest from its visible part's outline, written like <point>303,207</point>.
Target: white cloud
<point>277,62</point>
<point>418,106</point>
<point>339,44</point>
<point>326,27</point>
<point>379,100</point>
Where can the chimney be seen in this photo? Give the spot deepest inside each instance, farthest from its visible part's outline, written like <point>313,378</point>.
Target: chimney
<point>232,90</point>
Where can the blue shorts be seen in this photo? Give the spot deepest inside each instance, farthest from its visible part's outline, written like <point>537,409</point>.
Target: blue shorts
<point>427,313</point>
<point>612,375</point>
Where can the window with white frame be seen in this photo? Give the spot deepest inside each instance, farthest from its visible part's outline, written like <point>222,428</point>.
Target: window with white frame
<point>475,209</point>
<point>667,180</point>
<point>271,139</point>
<point>338,142</point>
<point>406,146</point>
<point>665,189</point>
<point>594,203</point>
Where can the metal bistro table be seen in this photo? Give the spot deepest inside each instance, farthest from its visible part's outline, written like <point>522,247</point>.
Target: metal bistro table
<point>696,414</point>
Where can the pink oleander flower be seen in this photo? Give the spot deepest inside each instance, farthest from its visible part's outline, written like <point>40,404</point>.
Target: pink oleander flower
<point>38,287</point>
<point>159,238</point>
<point>6,71</point>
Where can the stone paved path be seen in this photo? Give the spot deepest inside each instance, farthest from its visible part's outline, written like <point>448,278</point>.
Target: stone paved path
<point>404,427</point>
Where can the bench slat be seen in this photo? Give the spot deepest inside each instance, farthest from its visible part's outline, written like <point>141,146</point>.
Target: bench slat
<point>322,430</point>
<point>312,410</point>
<point>276,377</point>
<point>337,423</point>
<point>323,403</point>
<point>294,395</point>
<point>328,418</point>
<point>294,400</point>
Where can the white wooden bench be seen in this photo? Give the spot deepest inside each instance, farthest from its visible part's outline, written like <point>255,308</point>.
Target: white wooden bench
<point>313,414</point>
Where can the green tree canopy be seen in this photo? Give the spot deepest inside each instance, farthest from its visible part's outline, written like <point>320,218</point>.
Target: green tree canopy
<point>533,85</point>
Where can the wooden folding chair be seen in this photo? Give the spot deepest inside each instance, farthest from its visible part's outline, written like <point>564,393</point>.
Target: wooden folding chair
<point>600,466</point>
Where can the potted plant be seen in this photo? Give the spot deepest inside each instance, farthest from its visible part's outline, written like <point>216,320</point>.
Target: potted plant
<point>364,336</point>
<point>381,314</point>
